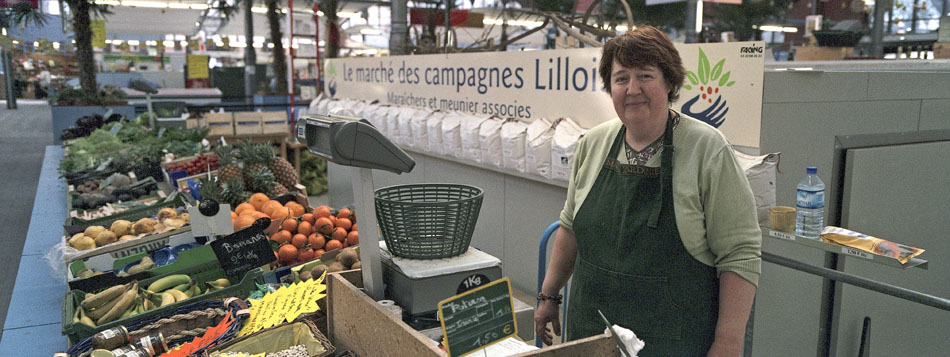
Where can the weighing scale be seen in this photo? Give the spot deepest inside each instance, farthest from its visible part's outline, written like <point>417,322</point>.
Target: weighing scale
<point>416,285</point>
<point>354,142</point>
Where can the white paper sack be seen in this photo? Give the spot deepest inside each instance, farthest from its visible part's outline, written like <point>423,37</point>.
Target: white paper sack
<point>357,108</point>
<point>452,135</point>
<point>322,106</point>
<point>563,146</point>
<point>434,132</point>
<point>404,122</point>
<point>489,141</point>
<point>369,113</point>
<point>513,134</point>
<point>471,149</point>
<point>420,129</point>
<point>537,155</point>
<point>382,120</point>
<point>760,170</point>
<point>634,344</point>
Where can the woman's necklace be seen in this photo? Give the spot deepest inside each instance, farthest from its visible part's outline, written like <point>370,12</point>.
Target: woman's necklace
<point>641,157</point>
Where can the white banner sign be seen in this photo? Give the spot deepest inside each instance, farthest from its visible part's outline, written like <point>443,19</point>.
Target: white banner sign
<point>723,85</point>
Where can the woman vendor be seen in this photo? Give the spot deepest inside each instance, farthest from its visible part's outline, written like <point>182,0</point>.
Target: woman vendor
<point>659,226</point>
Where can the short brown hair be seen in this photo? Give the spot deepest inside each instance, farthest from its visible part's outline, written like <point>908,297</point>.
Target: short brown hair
<point>644,46</point>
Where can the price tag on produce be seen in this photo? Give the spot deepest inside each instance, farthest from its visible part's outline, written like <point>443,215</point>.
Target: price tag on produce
<point>104,165</point>
<point>243,250</point>
<point>284,305</point>
<point>161,132</point>
<point>478,318</point>
<point>115,129</point>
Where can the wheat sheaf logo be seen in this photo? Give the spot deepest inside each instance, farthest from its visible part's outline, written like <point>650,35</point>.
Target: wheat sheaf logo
<point>709,105</point>
<point>331,81</point>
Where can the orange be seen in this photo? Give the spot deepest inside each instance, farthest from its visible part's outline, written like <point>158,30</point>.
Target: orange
<point>280,213</point>
<point>243,207</point>
<point>304,228</point>
<point>353,238</point>
<point>234,216</point>
<point>354,227</point>
<point>257,200</point>
<point>258,215</point>
<point>282,236</point>
<point>333,219</point>
<point>299,240</point>
<point>287,253</point>
<point>324,225</point>
<point>269,206</point>
<point>321,211</point>
<point>317,240</point>
<point>234,223</point>
<point>289,224</point>
<point>306,254</point>
<point>345,213</point>
<point>338,234</point>
<point>296,209</point>
<point>245,221</point>
<point>318,253</point>
<point>309,218</point>
<point>344,223</point>
<point>333,245</point>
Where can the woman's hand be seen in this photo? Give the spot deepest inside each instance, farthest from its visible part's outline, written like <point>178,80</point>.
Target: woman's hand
<point>544,314</point>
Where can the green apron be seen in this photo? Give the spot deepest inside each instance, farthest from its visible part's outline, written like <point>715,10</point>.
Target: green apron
<point>632,265</point>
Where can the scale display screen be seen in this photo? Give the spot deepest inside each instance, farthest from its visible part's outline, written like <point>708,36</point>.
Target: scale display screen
<point>351,141</point>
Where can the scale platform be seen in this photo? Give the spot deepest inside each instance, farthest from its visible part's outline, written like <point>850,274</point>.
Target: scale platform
<point>417,285</point>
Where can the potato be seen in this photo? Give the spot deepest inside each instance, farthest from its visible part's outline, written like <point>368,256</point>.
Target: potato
<point>144,225</point>
<point>317,271</point>
<point>93,231</point>
<point>106,237</point>
<point>305,275</point>
<point>84,243</point>
<point>167,212</point>
<point>74,237</point>
<point>127,237</point>
<point>121,227</point>
<point>173,222</point>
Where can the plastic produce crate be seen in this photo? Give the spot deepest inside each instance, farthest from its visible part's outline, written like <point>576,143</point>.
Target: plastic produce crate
<point>76,331</point>
<point>173,200</point>
<point>186,259</point>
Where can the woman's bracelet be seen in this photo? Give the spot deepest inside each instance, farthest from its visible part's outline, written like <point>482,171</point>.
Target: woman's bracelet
<point>557,299</point>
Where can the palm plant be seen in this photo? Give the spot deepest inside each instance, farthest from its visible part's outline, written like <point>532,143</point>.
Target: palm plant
<point>81,21</point>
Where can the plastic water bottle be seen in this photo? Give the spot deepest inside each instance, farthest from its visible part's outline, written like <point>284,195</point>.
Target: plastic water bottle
<point>810,205</point>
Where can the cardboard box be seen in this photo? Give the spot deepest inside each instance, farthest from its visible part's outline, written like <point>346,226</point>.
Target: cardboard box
<point>274,123</point>
<point>357,323</point>
<point>820,53</point>
<point>941,50</point>
<point>220,123</point>
<point>247,123</point>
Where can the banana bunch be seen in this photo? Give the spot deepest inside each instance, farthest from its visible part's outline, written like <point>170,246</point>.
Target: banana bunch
<point>172,289</point>
<point>108,305</point>
<point>121,301</point>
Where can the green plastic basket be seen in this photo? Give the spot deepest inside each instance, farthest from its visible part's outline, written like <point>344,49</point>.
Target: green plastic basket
<point>428,221</point>
<point>77,331</point>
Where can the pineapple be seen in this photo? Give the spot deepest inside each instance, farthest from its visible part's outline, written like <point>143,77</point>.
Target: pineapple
<point>209,189</point>
<point>253,163</point>
<point>232,192</point>
<point>277,190</point>
<point>262,180</point>
<point>283,171</point>
<point>229,167</point>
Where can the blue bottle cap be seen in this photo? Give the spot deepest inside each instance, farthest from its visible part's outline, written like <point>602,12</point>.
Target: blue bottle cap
<point>811,170</point>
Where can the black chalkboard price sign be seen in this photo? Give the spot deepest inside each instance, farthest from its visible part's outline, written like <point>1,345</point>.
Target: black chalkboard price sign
<point>478,317</point>
<point>243,250</point>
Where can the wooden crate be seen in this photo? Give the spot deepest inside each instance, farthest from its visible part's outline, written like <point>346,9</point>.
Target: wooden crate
<point>220,124</point>
<point>247,123</point>
<point>819,53</point>
<point>274,123</point>
<point>357,323</point>
<point>942,50</point>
